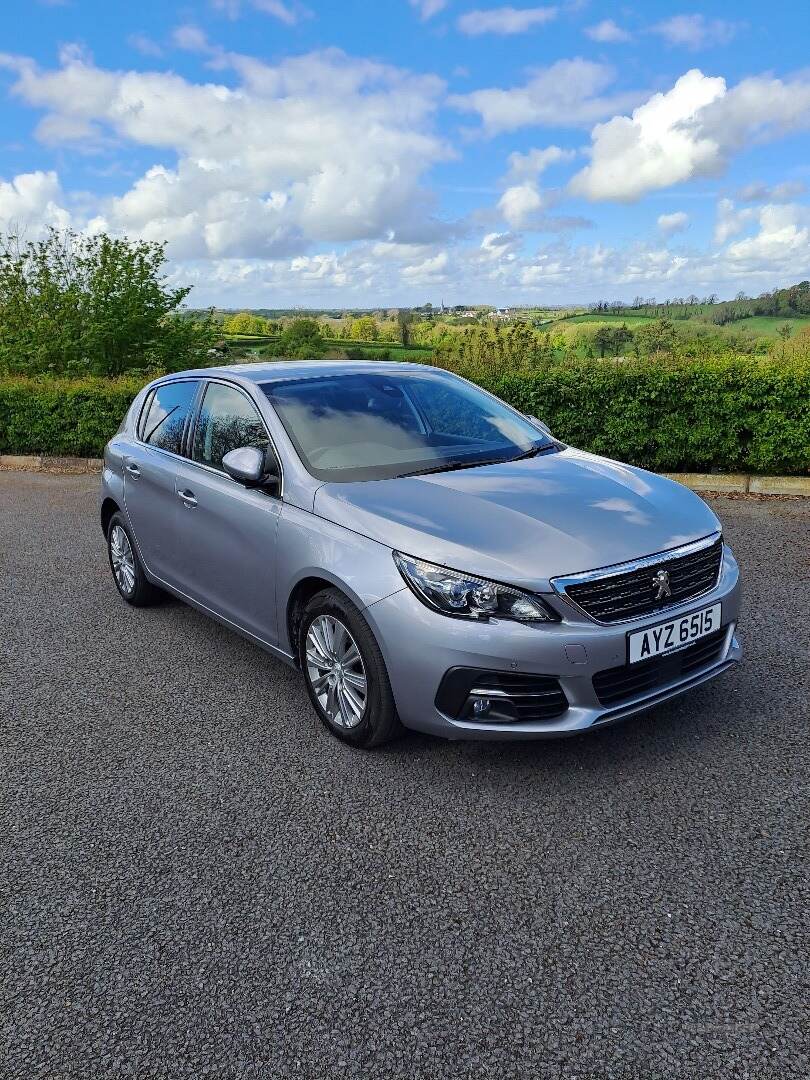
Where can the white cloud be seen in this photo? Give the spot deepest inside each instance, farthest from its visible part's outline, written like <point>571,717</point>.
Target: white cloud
<point>289,14</point>
<point>520,203</point>
<point>191,38</point>
<point>781,244</point>
<point>784,192</point>
<point>688,132</point>
<point>143,44</point>
<point>266,168</point>
<point>522,200</point>
<point>534,162</point>
<point>505,20</point>
<point>657,146</point>
<point>695,31</point>
<point>607,32</point>
<point>669,224</point>
<point>428,8</point>
<point>428,270</point>
<point>30,202</point>
<point>566,94</point>
<point>730,221</point>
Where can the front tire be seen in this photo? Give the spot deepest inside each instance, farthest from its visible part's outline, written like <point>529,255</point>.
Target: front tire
<point>127,568</point>
<point>345,673</point>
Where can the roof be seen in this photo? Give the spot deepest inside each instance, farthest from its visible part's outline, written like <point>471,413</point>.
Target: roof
<point>297,369</point>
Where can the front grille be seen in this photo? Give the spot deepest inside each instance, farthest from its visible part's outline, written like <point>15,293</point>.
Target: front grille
<point>630,595</point>
<point>631,680</point>
<point>515,696</point>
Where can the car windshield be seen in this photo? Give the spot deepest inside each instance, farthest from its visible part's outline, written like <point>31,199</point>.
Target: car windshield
<point>375,426</point>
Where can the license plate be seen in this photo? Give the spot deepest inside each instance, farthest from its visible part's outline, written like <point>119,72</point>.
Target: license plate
<point>676,634</point>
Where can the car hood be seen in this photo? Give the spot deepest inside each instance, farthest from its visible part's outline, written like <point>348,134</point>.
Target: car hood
<point>525,521</point>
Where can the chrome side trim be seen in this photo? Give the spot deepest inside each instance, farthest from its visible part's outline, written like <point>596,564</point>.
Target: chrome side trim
<point>561,584</point>
<point>517,693</point>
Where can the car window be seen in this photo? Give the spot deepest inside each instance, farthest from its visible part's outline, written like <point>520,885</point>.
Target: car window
<point>227,421</point>
<point>440,407</point>
<point>166,416</point>
<point>374,426</point>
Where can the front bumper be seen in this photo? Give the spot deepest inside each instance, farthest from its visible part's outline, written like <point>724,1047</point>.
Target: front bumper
<point>420,646</point>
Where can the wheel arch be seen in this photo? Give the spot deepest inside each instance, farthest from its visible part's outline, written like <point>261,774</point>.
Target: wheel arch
<point>108,507</point>
<point>300,596</point>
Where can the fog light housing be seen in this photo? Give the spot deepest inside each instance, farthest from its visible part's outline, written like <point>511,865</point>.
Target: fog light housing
<point>500,697</point>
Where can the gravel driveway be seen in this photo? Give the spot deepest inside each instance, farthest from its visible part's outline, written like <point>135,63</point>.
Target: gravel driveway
<point>197,880</point>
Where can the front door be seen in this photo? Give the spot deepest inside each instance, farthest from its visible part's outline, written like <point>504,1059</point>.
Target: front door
<point>227,533</point>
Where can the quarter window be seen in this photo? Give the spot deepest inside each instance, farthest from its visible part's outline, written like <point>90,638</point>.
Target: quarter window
<point>166,415</point>
<point>227,421</point>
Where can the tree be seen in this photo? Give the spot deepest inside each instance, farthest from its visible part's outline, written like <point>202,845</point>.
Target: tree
<point>784,331</point>
<point>621,335</point>
<point>365,328</point>
<point>245,323</point>
<point>602,339</point>
<point>658,336</point>
<point>72,304</point>
<point>404,320</point>
<point>301,340</point>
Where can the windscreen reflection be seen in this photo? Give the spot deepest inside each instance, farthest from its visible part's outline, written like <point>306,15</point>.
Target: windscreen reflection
<point>365,426</point>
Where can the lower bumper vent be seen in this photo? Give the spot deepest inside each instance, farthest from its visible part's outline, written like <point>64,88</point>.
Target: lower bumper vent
<point>619,684</point>
<point>500,697</point>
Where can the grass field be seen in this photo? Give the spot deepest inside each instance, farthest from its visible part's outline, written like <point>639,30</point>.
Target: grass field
<point>764,325</point>
<point>250,347</point>
<point>768,325</point>
<point>604,317</point>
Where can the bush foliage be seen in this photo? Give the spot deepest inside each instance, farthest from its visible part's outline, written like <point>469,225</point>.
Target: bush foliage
<point>737,414</point>
<point>74,305</point>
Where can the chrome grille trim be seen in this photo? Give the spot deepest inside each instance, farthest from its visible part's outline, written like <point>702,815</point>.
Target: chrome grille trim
<point>606,574</point>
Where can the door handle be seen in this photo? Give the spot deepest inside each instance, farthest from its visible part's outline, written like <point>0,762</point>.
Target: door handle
<point>133,470</point>
<point>187,497</point>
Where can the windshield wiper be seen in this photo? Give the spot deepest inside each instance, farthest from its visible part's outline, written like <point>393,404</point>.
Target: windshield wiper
<point>454,466</point>
<point>534,451</point>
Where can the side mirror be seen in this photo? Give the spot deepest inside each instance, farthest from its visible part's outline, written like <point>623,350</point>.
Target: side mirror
<point>539,423</point>
<point>248,466</point>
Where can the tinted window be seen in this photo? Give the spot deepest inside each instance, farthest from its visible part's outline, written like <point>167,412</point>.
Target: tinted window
<point>227,421</point>
<point>369,426</point>
<point>166,415</point>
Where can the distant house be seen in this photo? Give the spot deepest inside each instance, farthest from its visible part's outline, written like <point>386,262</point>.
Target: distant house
<point>500,313</point>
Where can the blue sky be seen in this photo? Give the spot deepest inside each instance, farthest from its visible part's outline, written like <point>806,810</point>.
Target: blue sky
<point>358,154</point>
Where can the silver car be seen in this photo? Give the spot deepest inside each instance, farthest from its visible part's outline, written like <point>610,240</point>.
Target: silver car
<point>425,554</point>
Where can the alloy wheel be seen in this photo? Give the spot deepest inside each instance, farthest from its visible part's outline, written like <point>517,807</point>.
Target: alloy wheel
<point>336,671</point>
<point>122,559</point>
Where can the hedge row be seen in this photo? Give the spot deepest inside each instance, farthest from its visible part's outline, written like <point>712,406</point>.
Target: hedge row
<point>746,415</point>
<point>732,415</point>
<point>62,417</point>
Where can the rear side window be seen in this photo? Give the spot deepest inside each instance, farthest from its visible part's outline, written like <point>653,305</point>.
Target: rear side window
<point>227,421</point>
<point>166,415</point>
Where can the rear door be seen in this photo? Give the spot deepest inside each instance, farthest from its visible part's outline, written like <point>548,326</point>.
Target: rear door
<point>150,464</point>
<point>227,533</point>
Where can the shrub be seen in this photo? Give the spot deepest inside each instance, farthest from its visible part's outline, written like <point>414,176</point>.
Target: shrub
<point>747,415</point>
<point>55,416</point>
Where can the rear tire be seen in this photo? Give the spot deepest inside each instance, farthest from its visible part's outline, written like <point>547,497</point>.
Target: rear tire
<point>127,568</point>
<point>345,673</point>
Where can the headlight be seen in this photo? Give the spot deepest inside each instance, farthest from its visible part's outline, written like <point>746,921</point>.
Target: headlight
<point>469,597</point>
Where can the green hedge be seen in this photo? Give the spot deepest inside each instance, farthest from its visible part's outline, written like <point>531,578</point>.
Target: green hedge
<point>732,415</point>
<point>62,417</point>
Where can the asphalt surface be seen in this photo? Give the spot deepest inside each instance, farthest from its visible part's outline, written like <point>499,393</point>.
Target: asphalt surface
<point>196,880</point>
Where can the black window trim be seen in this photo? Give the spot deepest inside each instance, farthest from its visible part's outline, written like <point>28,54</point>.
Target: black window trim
<point>188,442</point>
<point>147,404</point>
